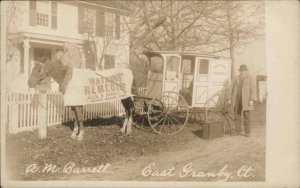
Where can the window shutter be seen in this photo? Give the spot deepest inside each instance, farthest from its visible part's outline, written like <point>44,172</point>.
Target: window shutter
<point>117,27</point>
<point>109,61</point>
<point>100,25</point>
<point>80,20</point>
<point>54,14</point>
<point>32,13</point>
<point>113,65</point>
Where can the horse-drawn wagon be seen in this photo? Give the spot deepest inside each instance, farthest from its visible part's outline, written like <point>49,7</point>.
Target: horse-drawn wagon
<point>183,88</point>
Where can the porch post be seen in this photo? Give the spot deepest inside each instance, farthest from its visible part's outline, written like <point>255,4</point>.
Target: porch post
<point>26,47</point>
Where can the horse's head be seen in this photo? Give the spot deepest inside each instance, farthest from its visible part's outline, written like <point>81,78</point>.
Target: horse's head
<point>37,75</point>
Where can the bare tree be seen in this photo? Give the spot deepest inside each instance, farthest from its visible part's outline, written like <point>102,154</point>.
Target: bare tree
<point>170,25</point>
<point>13,27</point>
<point>237,24</point>
<point>73,56</point>
<point>207,27</point>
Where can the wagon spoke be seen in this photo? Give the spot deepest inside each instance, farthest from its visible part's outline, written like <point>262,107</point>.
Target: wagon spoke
<point>162,114</point>
<point>173,102</point>
<point>173,114</point>
<point>231,115</point>
<point>176,120</point>
<point>214,101</point>
<point>162,125</point>
<point>157,123</point>
<point>172,120</point>
<point>221,101</point>
<point>214,110</point>
<point>227,120</point>
<point>182,103</point>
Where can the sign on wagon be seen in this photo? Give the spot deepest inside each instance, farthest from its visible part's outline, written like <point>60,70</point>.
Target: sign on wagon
<point>87,86</point>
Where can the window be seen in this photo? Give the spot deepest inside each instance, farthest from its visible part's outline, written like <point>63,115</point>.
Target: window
<point>100,22</point>
<point>203,68</point>
<point>172,67</point>
<point>89,19</point>
<point>156,64</point>
<point>94,21</point>
<point>109,25</point>
<point>43,13</point>
<point>109,61</point>
<point>188,65</point>
<point>172,63</point>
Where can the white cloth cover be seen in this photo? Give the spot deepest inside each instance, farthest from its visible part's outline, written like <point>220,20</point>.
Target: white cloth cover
<point>87,86</point>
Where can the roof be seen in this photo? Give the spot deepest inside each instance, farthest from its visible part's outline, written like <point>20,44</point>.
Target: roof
<point>183,54</point>
<point>111,4</point>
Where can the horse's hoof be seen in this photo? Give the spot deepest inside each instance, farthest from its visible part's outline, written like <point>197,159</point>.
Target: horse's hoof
<point>80,136</point>
<point>128,131</point>
<point>73,136</point>
<point>122,131</point>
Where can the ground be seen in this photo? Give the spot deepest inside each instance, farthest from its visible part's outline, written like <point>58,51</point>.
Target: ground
<point>142,156</point>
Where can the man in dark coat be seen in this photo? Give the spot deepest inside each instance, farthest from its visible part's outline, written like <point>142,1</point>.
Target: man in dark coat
<point>243,93</point>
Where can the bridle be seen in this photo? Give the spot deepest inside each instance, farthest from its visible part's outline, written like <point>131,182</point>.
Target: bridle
<point>42,72</point>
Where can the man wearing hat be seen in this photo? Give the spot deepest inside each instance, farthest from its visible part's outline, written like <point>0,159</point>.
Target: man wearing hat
<point>243,94</point>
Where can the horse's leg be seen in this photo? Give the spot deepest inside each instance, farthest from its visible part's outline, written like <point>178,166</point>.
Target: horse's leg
<point>131,111</point>
<point>123,129</point>
<point>124,103</point>
<point>75,129</point>
<point>79,115</point>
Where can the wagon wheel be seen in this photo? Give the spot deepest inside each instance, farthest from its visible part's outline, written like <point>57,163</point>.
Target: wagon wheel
<point>140,118</point>
<point>168,113</point>
<point>217,109</point>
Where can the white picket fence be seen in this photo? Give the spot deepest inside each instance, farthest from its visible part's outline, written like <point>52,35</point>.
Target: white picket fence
<point>23,110</point>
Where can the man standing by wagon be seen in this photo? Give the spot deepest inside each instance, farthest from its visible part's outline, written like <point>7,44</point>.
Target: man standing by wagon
<point>242,96</point>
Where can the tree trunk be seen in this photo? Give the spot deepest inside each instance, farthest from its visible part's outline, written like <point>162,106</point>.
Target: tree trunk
<point>232,60</point>
<point>231,38</point>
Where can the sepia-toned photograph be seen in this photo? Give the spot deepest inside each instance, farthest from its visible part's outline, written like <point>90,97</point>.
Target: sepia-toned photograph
<point>134,91</point>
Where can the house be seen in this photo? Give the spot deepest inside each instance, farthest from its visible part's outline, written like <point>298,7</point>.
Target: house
<point>37,29</point>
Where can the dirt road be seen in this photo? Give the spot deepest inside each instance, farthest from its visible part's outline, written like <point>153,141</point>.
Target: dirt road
<point>230,158</point>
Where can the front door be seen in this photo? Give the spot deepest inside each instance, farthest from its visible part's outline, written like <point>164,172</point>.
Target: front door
<point>42,54</point>
<point>171,74</point>
<point>201,82</point>
<point>211,76</point>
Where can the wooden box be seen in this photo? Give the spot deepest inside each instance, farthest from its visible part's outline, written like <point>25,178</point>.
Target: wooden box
<point>212,130</point>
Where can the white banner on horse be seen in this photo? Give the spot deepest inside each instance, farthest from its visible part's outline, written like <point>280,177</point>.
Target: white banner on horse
<point>87,86</point>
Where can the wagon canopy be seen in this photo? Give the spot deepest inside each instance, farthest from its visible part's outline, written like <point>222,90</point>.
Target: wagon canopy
<point>161,53</point>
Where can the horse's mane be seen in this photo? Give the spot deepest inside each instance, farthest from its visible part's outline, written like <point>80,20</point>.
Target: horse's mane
<point>61,73</point>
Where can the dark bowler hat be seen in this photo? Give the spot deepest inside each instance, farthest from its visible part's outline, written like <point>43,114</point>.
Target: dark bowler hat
<point>243,68</point>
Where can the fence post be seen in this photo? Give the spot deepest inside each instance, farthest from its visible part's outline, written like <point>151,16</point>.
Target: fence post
<point>13,113</point>
<point>42,115</point>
